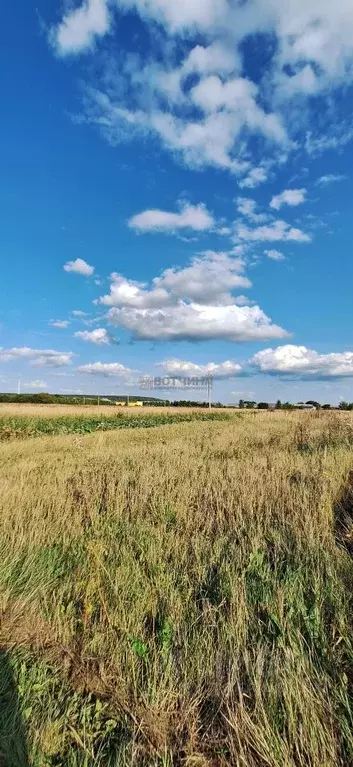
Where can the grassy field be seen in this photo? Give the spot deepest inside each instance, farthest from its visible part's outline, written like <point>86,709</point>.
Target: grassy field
<point>179,595</point>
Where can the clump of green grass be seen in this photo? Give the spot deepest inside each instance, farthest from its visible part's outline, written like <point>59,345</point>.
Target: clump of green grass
<point>68,726</point>
<point>178,597</point>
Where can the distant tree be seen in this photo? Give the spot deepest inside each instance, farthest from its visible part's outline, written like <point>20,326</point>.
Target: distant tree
<point>344,405</point>
<point>249,404</point>
<point>314,403</point>
<point>44,398</point>
<point>326,407</point>
<point>287,406</point>
<point>263,406</point>
<point>278,404</point>
<point>241,403</point>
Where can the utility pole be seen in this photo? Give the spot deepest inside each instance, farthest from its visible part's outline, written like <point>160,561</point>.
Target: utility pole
<point>209,391</point>
<point>19,386</point>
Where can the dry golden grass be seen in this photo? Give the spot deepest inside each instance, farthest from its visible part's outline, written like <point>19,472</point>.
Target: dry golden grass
<point>179,596</point>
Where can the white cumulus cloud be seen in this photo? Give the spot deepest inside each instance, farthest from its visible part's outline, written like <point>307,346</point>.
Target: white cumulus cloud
<point>209,278</point>
<point>182,15</point>
<point>227,369</point>
<point>217,57</point>
<point>99,336</point>
<point>197,322</point>
<point>195,217</point>
<point>130,293</point>
<point>298,361</point>
<point>255,177</point>
<point>238,98</point>
<point>194,302</point>
<point>292,197</point>
<point>276,231</point>
<point>79,267</point>
<point>79,27</point>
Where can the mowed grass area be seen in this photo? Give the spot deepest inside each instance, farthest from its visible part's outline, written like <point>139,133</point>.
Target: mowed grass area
<point>179,595</point>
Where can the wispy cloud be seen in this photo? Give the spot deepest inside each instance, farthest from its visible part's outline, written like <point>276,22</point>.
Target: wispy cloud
<point>105,369</point>
<point>274,255</point>
<point>248,208</point>
<point>37,384</point>
<point>78,313</point>
<point>36,357</point>
<point>59,323</point>
<point>212,123</point>
<point>330,178</point>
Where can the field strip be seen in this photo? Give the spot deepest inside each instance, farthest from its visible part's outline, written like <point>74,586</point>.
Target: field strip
<point>21,427</point>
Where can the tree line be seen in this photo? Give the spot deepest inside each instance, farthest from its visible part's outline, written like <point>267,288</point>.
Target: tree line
<point>65,399</point>
<point>251,404</point>
<point>43,398</point>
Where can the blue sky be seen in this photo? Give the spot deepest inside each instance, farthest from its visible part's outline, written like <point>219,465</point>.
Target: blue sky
<point>176,196</point>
